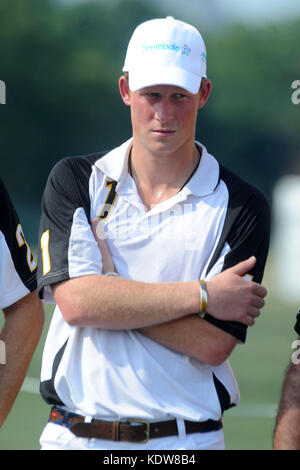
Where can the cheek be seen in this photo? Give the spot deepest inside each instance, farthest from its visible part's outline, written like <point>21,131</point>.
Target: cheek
<point>140,115</point>
<point>188,116</point>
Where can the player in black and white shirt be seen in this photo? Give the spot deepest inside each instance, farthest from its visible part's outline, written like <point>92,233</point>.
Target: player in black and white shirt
<point>134,347</point>
<point>21,306</point>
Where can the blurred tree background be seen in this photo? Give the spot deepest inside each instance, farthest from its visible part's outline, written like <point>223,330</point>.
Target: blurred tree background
<point>61,65</point>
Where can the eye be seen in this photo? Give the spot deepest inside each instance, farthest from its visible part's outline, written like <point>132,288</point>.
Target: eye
<point>152,94</point>
<point>179,96</point>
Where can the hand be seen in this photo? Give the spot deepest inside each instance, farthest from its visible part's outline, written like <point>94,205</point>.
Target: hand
<point>234,298</point>
<point>107,262</point>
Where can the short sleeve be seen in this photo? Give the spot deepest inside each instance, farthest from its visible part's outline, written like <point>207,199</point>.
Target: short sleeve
<point>67,245</point>
<point>246,232</point>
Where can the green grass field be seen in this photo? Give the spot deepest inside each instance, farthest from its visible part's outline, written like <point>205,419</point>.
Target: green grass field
<point>259,367</point>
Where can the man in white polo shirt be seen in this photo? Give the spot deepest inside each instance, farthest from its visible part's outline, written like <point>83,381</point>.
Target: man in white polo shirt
<point>138,358</point>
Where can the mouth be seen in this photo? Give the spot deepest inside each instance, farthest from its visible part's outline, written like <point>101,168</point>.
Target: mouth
<point>164,132</point>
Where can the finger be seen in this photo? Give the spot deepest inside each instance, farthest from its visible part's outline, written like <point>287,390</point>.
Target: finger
<point>253,312</point>
<point>244,266</point>
<point>258,302</point>
<point>259,290</point>
<point>250,320</point>
<point>247,320</point>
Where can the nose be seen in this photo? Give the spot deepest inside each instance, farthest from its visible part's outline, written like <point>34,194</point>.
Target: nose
<point>164,110</point>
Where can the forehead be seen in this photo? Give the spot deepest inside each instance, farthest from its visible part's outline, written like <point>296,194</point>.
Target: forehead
<point>169,89</point>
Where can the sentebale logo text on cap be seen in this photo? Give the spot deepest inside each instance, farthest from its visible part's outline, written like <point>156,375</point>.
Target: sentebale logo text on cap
<point>163,46</point>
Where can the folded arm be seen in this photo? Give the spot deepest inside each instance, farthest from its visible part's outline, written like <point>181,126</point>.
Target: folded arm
<point>165,312</point>
<point>195,338</point>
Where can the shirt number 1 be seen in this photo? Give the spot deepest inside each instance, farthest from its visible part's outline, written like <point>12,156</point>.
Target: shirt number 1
<point>45,252</point>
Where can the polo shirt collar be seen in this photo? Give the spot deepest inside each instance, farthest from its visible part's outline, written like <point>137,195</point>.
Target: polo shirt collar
<point>206,177</point>
<point>204,181</point>
<point>115,163</point>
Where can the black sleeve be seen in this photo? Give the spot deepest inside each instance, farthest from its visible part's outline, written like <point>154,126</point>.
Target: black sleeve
<point>18,268</point>
<point>247,232</point>
<point>65,249</point>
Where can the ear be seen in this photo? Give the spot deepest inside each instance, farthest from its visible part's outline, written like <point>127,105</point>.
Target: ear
<point>125,90</point>
<point>204,93</point>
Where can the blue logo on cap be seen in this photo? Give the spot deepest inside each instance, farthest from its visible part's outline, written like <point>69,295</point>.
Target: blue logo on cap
<point>186,50</point>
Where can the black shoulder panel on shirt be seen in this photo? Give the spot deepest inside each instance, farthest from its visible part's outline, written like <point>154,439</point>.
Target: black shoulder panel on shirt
<point>247,210</point>
<point>67,189</point>
<point>72,175</point>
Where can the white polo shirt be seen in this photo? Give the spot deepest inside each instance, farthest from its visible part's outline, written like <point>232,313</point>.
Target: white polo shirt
<point>211,224</point>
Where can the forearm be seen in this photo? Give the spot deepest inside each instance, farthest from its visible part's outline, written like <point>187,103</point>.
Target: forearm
<point>193,337</point>
<point>287,430</point>
<point>116,303</point>
<point>21,332</point>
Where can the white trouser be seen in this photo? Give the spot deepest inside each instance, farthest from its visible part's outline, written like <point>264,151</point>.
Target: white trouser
<point>57,437</point>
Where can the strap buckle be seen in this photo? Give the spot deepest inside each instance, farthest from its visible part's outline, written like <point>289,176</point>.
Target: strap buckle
<point>146,431</point>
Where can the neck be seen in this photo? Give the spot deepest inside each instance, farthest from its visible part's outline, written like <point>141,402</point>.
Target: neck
<point>160,176</point>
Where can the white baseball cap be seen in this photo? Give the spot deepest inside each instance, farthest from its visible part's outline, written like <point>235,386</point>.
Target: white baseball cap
<point>166,51</point>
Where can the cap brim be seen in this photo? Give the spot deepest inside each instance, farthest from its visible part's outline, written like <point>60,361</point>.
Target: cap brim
<point>164,75</point>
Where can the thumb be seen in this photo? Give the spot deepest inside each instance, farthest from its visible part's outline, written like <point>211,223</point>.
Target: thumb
<point>244,266</point>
